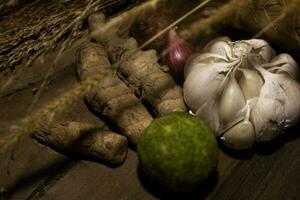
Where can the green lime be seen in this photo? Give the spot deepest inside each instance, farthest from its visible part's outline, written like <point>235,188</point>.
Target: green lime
<point>178,151</point>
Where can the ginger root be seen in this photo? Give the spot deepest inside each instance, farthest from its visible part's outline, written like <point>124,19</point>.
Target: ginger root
<point>140,69</point>
<point>84,139</point>
<point>111,97</point>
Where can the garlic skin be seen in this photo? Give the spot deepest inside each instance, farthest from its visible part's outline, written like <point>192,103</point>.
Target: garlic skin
<point>232,102</point>
<point>243,91</point>
<point>249,77</point>
<point>232,137</point>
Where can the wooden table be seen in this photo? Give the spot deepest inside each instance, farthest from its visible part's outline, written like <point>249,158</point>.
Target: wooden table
<point>33,171</point>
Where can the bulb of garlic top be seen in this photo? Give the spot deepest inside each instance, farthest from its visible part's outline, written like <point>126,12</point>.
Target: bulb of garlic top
<point>243,90</point>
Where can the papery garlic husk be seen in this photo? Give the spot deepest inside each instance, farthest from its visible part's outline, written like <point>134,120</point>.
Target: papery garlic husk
<point>205,102</point>
<point>243,91</point>
<point>285,105</point>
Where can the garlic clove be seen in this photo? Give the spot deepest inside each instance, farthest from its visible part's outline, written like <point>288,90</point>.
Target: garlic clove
<point>219,46</point>
<point>203,60</point>
<point>232,103</point>
<point>251,83</point>
<point>209,113</point>
<point>292,103</point>
<point>197,81</point>
<point>241,136</point>
<point>267,117</point>
<point>191,63</point>
<point>283,63</point>
<point>287,91</point>
<point>196,84</point>
<point>201,98</point>
<point>262,50</point>
<point>268,114</point>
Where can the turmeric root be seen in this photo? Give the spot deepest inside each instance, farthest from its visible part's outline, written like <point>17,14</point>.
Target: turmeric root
<point>156,86</point>
<point>111,97</point>
<point>141,69</point>
<point>84,139</point>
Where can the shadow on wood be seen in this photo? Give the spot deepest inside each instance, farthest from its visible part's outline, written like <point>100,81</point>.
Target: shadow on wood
<point>29,177</point>
<point>200,192</point>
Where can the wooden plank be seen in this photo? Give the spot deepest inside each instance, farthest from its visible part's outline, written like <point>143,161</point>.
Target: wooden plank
<point>96,181</point>
<point>37,172</point>
<point>88,180</point>
<point>273,172</point>
<point>29,164</point>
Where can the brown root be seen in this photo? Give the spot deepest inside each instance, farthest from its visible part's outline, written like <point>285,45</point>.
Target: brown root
<point>141,70</point>
<point>111,97</point>
<point>156,87</point>
<point>84,139</point>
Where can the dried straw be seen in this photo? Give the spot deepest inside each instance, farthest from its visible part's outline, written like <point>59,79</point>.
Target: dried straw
<point>289,8</point>
<point>217,16</point>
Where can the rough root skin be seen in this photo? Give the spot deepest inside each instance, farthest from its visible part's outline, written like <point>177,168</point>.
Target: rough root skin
<point>84,139</point>
<point>156,86</point>
<point>141,70</point>
<point>111,97</point>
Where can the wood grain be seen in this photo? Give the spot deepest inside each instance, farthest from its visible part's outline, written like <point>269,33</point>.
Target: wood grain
<point>34,171</point>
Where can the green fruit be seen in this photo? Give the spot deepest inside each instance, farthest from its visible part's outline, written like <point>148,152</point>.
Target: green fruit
<point>178,151</point>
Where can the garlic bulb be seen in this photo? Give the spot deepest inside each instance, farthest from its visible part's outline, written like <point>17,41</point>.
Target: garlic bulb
<point>243,90</point>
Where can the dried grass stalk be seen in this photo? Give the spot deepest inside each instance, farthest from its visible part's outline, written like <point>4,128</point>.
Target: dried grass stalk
<point>217,16</point>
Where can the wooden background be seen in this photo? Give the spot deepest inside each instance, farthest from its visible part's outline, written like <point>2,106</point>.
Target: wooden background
<point>33,171</point>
